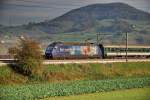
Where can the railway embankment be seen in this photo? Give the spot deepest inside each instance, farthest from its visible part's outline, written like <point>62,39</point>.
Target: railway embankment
<point>82,71</point>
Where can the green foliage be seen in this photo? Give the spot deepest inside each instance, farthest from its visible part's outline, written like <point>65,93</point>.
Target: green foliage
<point>38,91</point>
<point>29,57</point>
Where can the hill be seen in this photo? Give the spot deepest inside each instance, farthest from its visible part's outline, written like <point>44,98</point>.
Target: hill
<point>86,17</point>
<point>84,23</point>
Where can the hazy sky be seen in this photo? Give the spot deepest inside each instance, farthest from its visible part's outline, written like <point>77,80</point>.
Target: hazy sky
<point>17,12</point>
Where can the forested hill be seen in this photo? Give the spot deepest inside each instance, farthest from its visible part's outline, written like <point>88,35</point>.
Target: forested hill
<point>86,17</point>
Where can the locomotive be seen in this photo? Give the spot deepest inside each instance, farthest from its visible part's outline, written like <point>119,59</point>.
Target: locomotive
<point>66,50</point>
<point>70,50</point>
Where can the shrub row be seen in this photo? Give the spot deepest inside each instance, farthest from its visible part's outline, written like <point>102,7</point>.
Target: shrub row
<point>37,91</point>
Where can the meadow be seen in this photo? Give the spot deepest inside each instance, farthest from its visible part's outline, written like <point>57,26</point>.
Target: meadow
<point>75,79</point>
<point>130,94</point>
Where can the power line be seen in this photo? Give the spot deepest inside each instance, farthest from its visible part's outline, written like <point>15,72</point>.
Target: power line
<point>126,35</point>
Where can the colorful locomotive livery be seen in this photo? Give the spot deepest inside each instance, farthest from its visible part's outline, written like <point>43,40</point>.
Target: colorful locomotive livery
<point>73,50</point>
<point>63,50</point>
<point>78,50</point>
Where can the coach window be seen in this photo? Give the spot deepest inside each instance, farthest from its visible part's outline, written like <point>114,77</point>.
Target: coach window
<point>148,49</point>
<point>113,49</point>
<point>109,49</point>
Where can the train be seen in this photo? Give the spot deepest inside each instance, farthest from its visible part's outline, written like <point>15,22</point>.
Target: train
<point>132,51</point>
<point>74,50</point>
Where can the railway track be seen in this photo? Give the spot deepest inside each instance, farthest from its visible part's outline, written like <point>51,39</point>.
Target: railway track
<point>81,61</point>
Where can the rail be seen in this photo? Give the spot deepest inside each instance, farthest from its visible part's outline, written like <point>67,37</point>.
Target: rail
<point>46,62</point>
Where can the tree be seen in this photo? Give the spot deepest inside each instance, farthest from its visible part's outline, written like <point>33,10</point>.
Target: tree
<point>29,58</point>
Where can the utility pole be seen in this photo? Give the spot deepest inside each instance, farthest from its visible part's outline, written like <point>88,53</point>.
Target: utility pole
<point>126,46</point>
<point>9,21</point>
<point>97,37</point>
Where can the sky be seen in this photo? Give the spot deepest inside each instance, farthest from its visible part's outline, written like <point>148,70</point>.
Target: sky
<point>18,12</point>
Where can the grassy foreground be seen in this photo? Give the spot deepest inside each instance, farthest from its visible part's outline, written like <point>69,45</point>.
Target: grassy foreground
<point>131,94</point>
<point>74,79</point>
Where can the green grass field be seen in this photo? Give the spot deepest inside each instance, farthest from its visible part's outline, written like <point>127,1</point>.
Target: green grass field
<point>131,94</point>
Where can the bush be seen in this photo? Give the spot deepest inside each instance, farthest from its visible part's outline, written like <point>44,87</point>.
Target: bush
<point>29,57</point>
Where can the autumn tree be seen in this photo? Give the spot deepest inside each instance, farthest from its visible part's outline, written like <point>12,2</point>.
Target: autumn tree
<point>28,55</point>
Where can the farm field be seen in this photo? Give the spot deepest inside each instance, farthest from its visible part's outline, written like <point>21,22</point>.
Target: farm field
<point>131,94</point>
<point>46,90</point>
<point>75,79</point>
